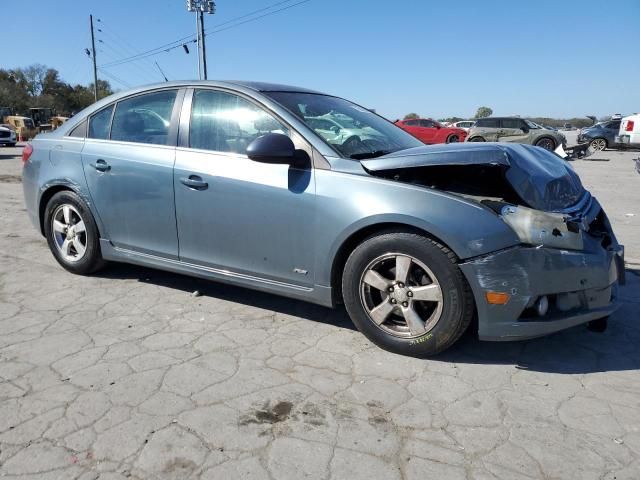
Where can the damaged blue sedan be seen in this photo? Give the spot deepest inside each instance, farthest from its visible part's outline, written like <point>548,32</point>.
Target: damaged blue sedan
<point>310,196</point>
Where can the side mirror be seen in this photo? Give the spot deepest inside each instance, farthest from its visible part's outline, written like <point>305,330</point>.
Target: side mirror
<point>272,148</point>
<point>524,129</point>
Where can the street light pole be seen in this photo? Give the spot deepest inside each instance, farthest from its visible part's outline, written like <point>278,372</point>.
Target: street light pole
<point>200,7</point>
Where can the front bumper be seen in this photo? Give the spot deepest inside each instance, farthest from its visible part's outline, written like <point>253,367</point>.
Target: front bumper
<point>581,286</point>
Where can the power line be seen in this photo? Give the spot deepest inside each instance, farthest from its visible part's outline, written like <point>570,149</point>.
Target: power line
<point>114,78</point>
<point>216,29</point>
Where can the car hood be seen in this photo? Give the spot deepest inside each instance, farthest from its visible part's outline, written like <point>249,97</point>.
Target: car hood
<point>540,178</point>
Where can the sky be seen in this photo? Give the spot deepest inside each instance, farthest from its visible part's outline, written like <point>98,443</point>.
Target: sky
<point>556,58</point>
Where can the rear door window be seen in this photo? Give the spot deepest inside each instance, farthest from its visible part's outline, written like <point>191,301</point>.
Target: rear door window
<point>144,118</point>
<point>99,123</point>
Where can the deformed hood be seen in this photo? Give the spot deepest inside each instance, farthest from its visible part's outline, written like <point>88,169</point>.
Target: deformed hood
<point>541,179</point>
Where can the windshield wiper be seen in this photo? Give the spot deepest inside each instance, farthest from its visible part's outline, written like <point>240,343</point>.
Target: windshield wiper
<point>374,154</point>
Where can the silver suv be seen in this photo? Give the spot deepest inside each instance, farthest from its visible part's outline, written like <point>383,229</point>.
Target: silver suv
<point>515,130</point>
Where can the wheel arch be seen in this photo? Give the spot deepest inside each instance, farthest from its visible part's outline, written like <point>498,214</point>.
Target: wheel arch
<point>546,137</point>
<point>476,138</point>
<point>357,237</point>
<point>49,190</point>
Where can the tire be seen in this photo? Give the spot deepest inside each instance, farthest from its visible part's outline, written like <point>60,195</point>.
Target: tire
<point>546,143</point>
<point>477,139</point>
<point>442,319</point>
<point>598,144</point>
<point>453,138</point>
<point>69,227</point>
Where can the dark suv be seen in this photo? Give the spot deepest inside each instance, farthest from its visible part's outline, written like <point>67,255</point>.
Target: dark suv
<point>601,135</point>
<point>516,130</point>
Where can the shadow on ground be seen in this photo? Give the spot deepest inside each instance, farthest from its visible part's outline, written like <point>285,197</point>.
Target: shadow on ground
<point>573,351</point>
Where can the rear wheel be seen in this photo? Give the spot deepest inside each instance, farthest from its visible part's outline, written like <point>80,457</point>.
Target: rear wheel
<point>477,139</point>
<point>546,143</point>
<point>406,294</point>
<point>598,144</point>
<point>72,233</point>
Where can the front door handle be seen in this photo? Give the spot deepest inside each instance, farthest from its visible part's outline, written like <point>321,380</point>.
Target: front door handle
<point>101,166</point>
<point>194,181</point>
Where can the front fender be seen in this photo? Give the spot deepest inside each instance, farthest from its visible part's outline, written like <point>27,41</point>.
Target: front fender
<point>348,204</point>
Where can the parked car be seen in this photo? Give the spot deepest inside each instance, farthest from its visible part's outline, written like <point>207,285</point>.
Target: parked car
<point>601,135</point>
<point>464,124</point>
<point>629,134</point>
<point>7,136</point>
<point>568,127</point>
<point>237,185</point>
<point>515,130</point>
<point>431,132</point>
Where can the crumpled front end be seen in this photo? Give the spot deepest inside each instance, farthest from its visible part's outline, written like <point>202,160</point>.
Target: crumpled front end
<point>544,288</point>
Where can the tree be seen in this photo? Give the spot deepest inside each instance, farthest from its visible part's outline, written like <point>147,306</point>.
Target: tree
<point>411,116</point>
<point>483,112</point>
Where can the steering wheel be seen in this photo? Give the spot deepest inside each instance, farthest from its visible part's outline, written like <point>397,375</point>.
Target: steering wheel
<point>352,145</point>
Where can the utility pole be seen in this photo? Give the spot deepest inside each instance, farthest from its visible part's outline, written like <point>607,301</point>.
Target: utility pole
<point>95,68</point>
<point>204,48</point>
<point>201,7</point>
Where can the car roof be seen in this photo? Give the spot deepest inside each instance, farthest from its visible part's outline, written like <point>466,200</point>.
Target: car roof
<point>256,86</point>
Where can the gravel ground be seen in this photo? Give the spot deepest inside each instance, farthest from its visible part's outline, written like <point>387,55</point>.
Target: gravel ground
<point>127,374</point>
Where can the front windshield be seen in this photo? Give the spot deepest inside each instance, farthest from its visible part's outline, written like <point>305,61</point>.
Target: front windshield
<point>530,124</point>
<point>353,131</point>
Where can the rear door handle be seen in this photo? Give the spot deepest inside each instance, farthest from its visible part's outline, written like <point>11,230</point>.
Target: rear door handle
<point>194,181</point>
<point>101,166</point>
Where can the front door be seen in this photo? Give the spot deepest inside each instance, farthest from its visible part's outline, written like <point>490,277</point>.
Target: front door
<point>235,215</point>
<point>128,164</point>
<point>514,130</point>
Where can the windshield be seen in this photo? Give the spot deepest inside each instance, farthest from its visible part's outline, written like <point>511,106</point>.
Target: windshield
<point>530,124</point>
<point>353,131</point>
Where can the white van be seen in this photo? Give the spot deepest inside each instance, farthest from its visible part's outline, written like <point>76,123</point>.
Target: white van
<point>629,133</point>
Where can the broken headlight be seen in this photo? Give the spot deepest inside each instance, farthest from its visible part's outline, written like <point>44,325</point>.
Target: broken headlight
<point>542,228</point>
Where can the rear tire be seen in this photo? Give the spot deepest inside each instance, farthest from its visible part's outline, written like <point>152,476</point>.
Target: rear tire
<point>72,234</point>
<point>477,139</point>
<point>406,294</point>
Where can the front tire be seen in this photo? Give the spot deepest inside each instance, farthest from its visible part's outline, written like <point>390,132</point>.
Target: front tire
<point>546,143</point>
<point>72,234</point>
<point>453,138</point>
<point>406,294</point>
<point>598,144</point>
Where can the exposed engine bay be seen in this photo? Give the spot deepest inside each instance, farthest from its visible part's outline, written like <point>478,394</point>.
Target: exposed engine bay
<point>534,191</point>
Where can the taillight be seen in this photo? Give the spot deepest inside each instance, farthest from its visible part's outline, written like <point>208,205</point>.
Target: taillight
<point>629,127</point>
<point>26,153</point>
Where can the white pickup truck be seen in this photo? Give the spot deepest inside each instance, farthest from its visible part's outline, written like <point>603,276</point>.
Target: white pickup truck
<point>629,133</point>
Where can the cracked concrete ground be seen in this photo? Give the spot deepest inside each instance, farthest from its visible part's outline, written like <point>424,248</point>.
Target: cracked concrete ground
<point>126,374</point>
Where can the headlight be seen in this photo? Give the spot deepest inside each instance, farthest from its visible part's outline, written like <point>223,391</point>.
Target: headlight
<point>541,228</point>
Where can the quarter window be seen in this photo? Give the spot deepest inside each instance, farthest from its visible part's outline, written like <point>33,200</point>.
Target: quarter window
<point>144,118</point>
<point>79,131</point>
<point>223,122</point>
<point>488,123</point>
<point>99,123</point>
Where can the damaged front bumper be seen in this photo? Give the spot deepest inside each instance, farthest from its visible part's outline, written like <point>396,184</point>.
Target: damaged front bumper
<point>577,286</point>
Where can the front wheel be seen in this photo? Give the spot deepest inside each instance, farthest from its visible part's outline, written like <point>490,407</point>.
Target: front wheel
<point>546,143</point>
<point>453,138</point>
<point>406,294</point>
<point>598,144</point>
<point>72,233</point>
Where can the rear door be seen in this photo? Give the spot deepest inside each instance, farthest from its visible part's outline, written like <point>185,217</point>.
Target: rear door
<point>128,162</point>
<point>513,130</point>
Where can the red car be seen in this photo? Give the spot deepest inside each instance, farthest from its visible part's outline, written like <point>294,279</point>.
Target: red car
<point>430,131</point>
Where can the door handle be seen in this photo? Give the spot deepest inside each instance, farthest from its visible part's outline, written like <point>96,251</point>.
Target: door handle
<point>101,166</point>
<point>194,181</point>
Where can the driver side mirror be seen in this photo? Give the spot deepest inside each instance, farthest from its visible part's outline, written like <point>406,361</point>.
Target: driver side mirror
<point>272,148</point>
<point>524,129</point>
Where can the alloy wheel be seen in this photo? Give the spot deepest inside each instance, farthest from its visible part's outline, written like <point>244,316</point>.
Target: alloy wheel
<point>598,144</point>
<point>69,233</point>
<point>546,143</point>
<point>401,295</point>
